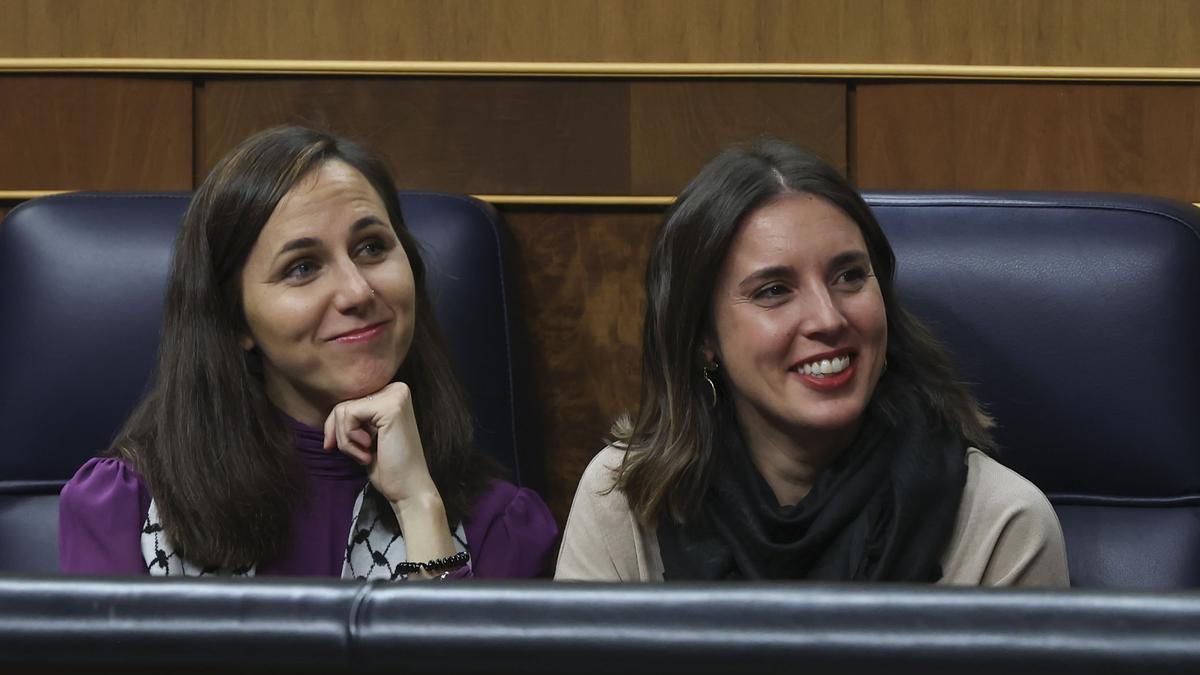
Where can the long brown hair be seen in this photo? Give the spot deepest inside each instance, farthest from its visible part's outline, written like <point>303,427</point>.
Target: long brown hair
<point>671,435</point>
<point>215,452</point>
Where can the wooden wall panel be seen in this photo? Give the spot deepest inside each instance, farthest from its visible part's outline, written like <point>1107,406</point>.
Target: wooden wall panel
<point>514,136</point>
<point>99,133</point>
<point>464,135</point>
<point>676,126</point>
<point>1122,138</point>
<point>978,32</point>
<point>580,283</point>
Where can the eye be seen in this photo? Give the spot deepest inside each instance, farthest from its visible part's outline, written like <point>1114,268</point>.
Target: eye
<point>853,278</point>
<point>772,293</point>
<point>373,248</point>
<point>301,269</point>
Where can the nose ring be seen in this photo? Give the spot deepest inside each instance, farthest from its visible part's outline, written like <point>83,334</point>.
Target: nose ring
<point>372,292</point>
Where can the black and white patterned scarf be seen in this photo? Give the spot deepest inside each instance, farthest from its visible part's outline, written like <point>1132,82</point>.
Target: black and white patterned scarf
<point>372,550</point>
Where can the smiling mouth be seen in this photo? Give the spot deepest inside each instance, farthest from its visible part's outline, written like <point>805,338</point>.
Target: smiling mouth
<point>820,368</point>
<point>360,334</point>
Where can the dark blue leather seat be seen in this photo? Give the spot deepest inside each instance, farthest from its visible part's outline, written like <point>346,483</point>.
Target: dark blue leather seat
<point>82,278</point>
<point>1076,315</point>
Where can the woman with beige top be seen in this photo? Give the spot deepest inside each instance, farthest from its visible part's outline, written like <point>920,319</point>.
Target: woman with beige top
<point>795,422</point>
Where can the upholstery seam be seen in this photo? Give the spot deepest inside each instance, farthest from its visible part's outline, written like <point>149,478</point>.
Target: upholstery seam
<point>876,200</point>
<point>353,630</point>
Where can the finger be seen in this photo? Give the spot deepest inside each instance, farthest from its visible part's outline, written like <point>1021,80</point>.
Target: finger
<point>361,439</point>
<point>361,456</point>
<point>330,430</point>
<point>341,428</point>
<point>346,430</point>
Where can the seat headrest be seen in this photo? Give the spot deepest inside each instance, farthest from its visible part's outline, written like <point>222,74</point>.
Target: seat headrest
<point>82,278</point>
<point>1074,315</point>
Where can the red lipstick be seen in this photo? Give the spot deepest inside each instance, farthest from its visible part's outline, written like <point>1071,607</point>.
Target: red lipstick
<point>831,381</point>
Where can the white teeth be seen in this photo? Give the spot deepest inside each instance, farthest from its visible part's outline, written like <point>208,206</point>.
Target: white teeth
<point>826,366</point>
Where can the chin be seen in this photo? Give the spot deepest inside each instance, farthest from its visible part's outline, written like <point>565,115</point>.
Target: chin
<point>836,419</point>
<point>365,382</point>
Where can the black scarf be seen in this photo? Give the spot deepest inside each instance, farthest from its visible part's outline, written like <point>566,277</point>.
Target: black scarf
<point>883,511</point>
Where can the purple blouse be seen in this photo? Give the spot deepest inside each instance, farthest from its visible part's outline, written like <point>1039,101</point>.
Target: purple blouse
<point>510,531</point>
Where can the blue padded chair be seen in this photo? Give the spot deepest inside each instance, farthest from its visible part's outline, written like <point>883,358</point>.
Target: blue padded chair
<point>82,278</point>
<point>1076,316</point>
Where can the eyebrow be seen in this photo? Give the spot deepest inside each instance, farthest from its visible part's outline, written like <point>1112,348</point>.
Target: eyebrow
<point>365,222</point>
<point>849,257</point>
<point>777,271</point>
<point>311,242</point>
<point>772,272</point>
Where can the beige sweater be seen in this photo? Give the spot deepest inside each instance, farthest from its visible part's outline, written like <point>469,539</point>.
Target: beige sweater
<point>1006,534</point>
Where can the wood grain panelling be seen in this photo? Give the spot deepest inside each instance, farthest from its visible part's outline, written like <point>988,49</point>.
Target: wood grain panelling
<point>59,133</point>
<point>462,135</point>
<point>678,126</point>
<point>531,136</point>
<point>580,284</point>
<point>1127,138</point>
<point>980,32</point>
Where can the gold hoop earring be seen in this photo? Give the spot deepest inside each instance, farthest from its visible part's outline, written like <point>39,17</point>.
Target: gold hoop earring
<point>712,386</point>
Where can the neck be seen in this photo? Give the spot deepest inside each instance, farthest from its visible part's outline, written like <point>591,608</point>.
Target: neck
<point>790,460</point>
<point>298,407</point>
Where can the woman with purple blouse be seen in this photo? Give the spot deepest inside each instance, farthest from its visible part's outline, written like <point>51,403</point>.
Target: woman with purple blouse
<point>304,418</point>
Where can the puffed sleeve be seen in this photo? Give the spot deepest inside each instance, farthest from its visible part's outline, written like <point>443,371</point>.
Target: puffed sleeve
<point>100,513</point>
<point>511,533</point>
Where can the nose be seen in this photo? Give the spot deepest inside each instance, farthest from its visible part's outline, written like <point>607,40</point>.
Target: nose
<point>820,315</point>
<point>352,291</point>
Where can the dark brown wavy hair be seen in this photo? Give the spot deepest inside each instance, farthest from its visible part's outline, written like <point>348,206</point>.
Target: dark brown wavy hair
<point>671,435</point>
<point>216,454</point>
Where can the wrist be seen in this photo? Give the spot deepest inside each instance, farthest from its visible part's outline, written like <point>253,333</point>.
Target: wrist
<point>409,488</point>
<point>422,506</point>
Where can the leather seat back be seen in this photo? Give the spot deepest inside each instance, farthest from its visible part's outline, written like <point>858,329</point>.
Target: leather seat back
<point>1075,316</point>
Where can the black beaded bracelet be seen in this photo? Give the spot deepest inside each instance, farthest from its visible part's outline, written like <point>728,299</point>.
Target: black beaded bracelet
<point>448,563</point>
<point>406,568</point>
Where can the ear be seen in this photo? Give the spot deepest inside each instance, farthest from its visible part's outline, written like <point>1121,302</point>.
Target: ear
<point>708,352</point>
<point>247,342</point>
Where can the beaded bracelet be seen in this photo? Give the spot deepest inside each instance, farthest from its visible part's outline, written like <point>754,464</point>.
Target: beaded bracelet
<point>440,564</point>
<point>406,568</point>
<point>448,563</point>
